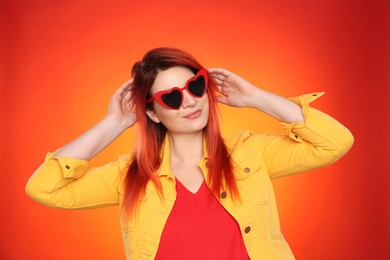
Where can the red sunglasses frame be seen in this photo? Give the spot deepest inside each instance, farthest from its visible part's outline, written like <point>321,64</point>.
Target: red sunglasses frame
<point>157,96</point>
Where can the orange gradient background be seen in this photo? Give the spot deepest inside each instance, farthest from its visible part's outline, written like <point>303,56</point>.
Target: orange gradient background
<point>62,60</point>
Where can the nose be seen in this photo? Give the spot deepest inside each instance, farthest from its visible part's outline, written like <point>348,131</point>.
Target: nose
<point>188,99</point>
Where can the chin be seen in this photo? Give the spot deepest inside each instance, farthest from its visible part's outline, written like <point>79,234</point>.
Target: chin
<point>195,126</point>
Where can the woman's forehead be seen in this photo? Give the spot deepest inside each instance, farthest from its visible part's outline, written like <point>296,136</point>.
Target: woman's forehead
<point>172,77</point>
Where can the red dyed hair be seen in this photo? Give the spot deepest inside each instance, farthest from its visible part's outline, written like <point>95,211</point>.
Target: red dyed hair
<point>150,135</point>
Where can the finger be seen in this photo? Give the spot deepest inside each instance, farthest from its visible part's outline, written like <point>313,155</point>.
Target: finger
<point>219,71</point>
<point>125,86</point>
<point>127,95</point>
<point>219,78</point>
<point>127,101</point>
<point>219,82</point>
<point>219,89</point>
<point>222,99</point>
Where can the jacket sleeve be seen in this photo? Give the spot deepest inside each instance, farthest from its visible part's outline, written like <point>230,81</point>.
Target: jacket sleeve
<point>68,183</point>
<point>318,141</point>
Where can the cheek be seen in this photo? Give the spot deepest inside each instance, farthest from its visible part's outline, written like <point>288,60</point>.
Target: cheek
<point>205,104</point>
<point>205,99</point>
<point>164,113</point>
<point>167,115</point>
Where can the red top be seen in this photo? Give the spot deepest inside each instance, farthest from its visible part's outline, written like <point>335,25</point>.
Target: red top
<point>200,228</point>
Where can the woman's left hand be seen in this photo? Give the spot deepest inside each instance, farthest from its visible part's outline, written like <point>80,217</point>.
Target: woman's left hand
<point>235,91</point>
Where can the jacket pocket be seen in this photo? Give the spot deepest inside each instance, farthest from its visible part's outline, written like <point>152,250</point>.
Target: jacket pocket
<point>279,246</point>
<point>251,179</point>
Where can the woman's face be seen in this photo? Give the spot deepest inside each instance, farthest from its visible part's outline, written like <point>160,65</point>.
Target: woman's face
<point>193,114</point>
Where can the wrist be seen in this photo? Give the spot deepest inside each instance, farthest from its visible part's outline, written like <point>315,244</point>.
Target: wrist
<point>115,123</point>
<point>254,99</point>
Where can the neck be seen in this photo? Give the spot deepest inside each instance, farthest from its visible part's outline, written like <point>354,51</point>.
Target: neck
<point>186,148</point>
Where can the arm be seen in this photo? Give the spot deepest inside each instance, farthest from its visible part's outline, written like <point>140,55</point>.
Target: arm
<point>319,141</point>
<point>64,179</point>
<point>119,117</point>
<point>314,138</point>
<point>236,91</point>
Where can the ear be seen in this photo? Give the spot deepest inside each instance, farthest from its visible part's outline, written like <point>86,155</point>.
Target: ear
<point>152,116</point>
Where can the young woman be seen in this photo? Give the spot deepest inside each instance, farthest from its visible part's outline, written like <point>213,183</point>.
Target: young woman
<point>186,192</point>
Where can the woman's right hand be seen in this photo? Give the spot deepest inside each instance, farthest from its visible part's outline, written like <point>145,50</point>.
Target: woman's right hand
<point>122,105</point>
<point>120,116</point>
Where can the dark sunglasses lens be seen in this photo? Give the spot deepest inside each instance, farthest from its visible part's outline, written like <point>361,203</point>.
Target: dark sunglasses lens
<point>197,87</point>
<point>172,99</point>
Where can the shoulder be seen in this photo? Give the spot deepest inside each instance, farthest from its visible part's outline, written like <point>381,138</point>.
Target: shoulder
<point>237,137</point>
<point>123,163</point>
<point>240,138</point>
<point>243,142</point>
<point>124,159</point>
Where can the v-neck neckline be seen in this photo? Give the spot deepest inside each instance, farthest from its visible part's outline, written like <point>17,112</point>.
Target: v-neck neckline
<point>188,191</point>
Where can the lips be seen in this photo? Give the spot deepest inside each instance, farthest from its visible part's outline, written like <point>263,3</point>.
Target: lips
<point>194,114</point>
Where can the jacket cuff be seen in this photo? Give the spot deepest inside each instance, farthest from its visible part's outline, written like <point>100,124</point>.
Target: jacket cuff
<point>304,101</point>
<point>71,167</point>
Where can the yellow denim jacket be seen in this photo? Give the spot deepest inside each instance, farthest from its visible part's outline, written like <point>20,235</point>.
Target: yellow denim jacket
<point>69,183</point>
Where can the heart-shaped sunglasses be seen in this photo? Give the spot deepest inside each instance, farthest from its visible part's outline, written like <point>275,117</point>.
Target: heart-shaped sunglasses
<point>173,98</point>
